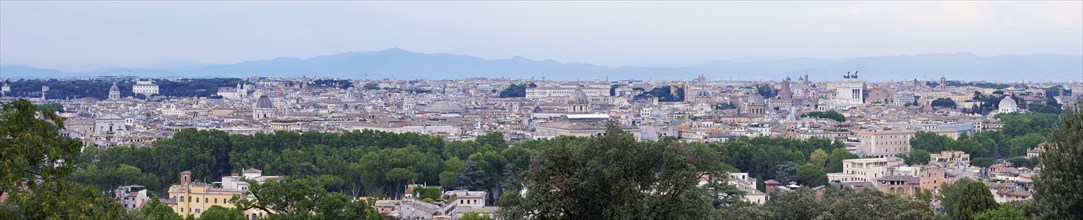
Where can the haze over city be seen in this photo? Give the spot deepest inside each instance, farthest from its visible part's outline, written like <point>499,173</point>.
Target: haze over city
<point>98,36</point>
<point>490,110</point>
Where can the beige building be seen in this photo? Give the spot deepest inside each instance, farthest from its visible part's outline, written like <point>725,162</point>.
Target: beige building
<point>865,170</point>
<point>951,159</point>
<point>884,142</point>
<point>190,198</point>
<point>899,184</point>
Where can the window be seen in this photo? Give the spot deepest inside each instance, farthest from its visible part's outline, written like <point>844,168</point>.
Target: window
<point>197,211</point>
<point>216,200</point>
<point>197,199</point>
<point>182,199</point>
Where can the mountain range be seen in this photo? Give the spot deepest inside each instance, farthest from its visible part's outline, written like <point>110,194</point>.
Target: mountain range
<point>402,64</point>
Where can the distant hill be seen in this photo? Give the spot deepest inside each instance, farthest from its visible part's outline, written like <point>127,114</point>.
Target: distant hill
<point>402,64</point>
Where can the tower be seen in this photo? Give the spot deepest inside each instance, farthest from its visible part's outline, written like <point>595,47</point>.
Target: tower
<point>114,92</point>
<point>785,93</point>
<point>185,178</point>
<point>44,88</point>
<point>943,84</point>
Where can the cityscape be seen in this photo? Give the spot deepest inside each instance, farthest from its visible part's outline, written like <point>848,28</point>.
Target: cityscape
<point>400,134</point>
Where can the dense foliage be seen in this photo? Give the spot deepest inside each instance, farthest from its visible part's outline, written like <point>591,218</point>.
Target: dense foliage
<point>1060,180</point>
<point>360,162</point>
<point>766,91</point>
<point>33,155</point>
<point>1020,133</point>
<point>833,204</point>
<point>663,93</point>
<point>829,114</point>
<point>943,102</point>
<point>516,90</point>
<point>304,198</point>
<point>613,176</point>
<point>332,83</point>
<point>99,88</point>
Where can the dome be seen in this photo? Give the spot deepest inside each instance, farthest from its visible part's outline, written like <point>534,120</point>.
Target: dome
<point>1007,105</point>
<point>755,98</point>
<point>264,102</point>
<point>579,97</point>
<point>114,88</point>
<point>445,107</point>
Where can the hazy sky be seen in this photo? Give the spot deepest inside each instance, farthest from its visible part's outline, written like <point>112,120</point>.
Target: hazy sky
<point>80,36</point>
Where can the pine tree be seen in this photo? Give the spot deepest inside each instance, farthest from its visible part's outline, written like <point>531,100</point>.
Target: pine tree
<point>1060,184</point>
<point>975,199</point>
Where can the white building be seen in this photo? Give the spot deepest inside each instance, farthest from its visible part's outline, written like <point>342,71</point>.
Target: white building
<point>237,182</point>
<point>131,197</point>
<point>110,123</point>
<point>849,93</point>
<point>1007,105</point>
<point>147,88</point>
<point>541,92</point>
<point>865,170</point>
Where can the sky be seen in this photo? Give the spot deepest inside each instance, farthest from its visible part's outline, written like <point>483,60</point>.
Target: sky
<point>84,36</point>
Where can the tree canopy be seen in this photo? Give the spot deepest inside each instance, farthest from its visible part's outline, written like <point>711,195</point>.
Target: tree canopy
<point>613,176</point>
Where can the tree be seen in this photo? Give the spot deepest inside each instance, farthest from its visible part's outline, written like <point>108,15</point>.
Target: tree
<point>786,172</point>
<point>811,175</point>
<point>916,157</point>
<point>514,90</point>
<point>31,146</point>
<point>874,204</point>
<point>1002,212</point>
<point>766,91</point>
<point>63,200</point>
<point>471,215</point>
<point>974,199</point>
<point>951,193</point>
<point>400,176</point>
<point>1059,182</point>
<point>472,177</point>
<point>495,139</point>
<point>929,141</point>
<point>798,204</point>
<point>943,102</point>
<point>155,210</point>
<point>982,162</point>
<point>744,210</point>
<point>449,180</point>
<point>221,213</point>
<point>303,198</point>
<point>35,158</point>
<point>371,86</point>
<point>830,114</point>
<point>818,158</point>
<point>612,176</point>
<point>1020,145</point>
<point>1048,109</point>
<point>722,194</point>
<point>834,163</point>
<point>968,145</point>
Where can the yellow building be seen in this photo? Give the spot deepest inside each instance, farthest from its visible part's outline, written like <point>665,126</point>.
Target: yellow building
<point>190,198</point>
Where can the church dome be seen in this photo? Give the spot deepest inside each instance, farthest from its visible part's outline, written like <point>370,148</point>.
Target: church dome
<point>579,97</point>
<point>264,102</point>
